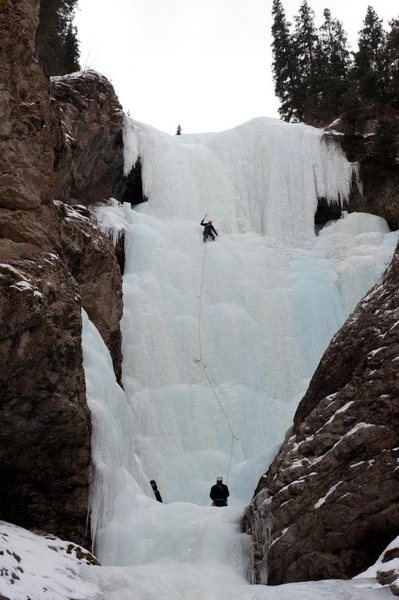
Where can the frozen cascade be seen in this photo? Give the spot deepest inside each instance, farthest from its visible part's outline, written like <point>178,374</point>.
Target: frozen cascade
<point>264,176</point>
<point>273,296</point>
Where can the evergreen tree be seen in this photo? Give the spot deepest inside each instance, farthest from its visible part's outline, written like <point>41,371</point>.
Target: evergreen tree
<point>310,59</point>
<point>335,65</point>
<point>352,113</point>
<point>392,49</point>
<point>71,49</point>
<point>285,68</point>
<point>56,41</point>
<point>178,130</point>
<point>385,143</point>
<point>371,64</point>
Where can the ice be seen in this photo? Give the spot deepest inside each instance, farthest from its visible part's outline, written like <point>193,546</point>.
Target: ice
<point>110,219</point>
<point>230,351</point>
<point>263,176</point>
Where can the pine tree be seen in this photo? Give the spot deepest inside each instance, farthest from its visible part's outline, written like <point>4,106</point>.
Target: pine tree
<point>285,69</point>
<point>57,46</point>
<point>178,130</point>
<point>392,49</point>
<point>309,58</point>
<point>385,144</point>
<point>335,63</point>
<point>371,60</point>
<point>70,49</point>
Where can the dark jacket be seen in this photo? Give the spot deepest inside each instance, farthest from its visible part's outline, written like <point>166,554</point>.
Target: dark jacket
<point>219,494</point>
<point>156,493</point>
<point>208,227</point>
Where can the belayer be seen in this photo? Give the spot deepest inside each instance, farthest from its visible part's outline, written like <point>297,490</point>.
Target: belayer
<point>156,490</point>
<point>209,230</point>
<point>219,493</point>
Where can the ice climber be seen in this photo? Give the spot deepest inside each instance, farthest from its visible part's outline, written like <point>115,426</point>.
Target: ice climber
<point>156,490</point>
<point>209,230</point>
<point>219,493</point>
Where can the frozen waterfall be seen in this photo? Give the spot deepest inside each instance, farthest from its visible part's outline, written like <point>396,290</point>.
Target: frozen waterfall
<point>273,295</point>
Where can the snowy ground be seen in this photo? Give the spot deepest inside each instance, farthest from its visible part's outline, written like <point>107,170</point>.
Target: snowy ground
<point>257,307</point>
<point>37,567</point>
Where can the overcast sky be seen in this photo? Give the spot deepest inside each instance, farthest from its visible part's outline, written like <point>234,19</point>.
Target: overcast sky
<point>203,63</point>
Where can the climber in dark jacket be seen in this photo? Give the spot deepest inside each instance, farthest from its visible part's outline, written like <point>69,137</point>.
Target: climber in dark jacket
<point>155,490</point>
<point>209,230</point>
<point>219,493</point>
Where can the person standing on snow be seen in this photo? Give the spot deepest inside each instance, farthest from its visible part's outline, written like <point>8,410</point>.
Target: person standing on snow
<point>155,489</point>
<point>219,493</point>
<point>209,230</point>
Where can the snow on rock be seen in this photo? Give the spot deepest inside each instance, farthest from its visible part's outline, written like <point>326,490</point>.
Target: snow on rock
<point>35,567</point>
<point>110,218</point>
<point>330,491</point>
<point>386,568</point>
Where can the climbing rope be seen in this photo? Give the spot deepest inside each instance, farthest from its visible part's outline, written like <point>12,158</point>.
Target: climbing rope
<point>205,367</point>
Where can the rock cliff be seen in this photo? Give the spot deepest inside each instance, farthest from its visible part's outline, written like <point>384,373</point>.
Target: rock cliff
<point>329,503</point>
<point>53,262</point>
<point>375,146</point>
<point>26,174</point>
<point>87,136</point>
<point>87,122</point>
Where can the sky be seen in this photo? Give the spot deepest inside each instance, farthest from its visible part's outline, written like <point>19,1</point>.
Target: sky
<point>204,64</point>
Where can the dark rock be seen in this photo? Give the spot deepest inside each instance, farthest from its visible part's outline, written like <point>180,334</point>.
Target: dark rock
<point>46,426</point>
<point>333,488</point>
<point>131,188</point>
<point>379,193</point>
<point>327,211</point>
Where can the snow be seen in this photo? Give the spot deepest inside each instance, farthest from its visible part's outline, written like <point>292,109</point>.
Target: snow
<point>379,565</point>
<point>38,567</point>
<point>13,270</point>
<point>273,295</point>
<point>322,500</point>
<point>110,219</point>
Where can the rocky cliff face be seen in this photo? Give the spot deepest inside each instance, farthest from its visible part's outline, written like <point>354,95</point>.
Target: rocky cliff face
<point>53,262</point>
<point>26,174</point>
<point>87,134</point>
<point>375,145</point>
<point>329,503</point>
<point>87,138</point>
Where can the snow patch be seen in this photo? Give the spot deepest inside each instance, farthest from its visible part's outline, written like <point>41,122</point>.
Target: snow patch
<point>322,500</point>
<point>39,567</point>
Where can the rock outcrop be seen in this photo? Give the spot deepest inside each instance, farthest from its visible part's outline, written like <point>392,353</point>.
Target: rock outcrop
<point>87,138</point>
<point>92,260</point>
<point>87,133</point>
<point>53,262</point>
<point>329,503</point>
<point>373,145</point>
